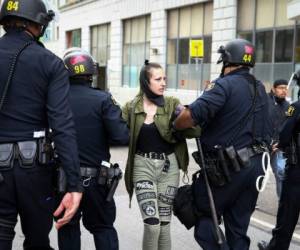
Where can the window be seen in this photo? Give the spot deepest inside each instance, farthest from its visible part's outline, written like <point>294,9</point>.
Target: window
<point>266,20</point>
<point>284,45</point>
<point>246,35</point>
<point>245,15</point>
<point>100,43</point>
<point>184,24</point>
<point>281,14</point>
<point>63,3</point>
<point>265,14</point>
<point>136,48</point>
<point>73,38</point>
<point>297,46</point>
<point>50,33</point>
<point>100,50</point>
<point>264,46</point>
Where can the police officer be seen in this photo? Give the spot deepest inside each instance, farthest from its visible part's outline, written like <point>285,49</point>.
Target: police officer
<point>33,92</point>
<point>289,202</point>
<point>278,105</point>
<point>98,125</point>
<point>231,113</point>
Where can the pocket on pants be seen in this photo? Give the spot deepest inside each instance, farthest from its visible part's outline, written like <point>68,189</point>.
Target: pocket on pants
<point>38,182</point>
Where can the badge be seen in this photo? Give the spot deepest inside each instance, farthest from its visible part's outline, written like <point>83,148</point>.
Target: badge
<point>146,196</point>
<point>290,111</point>
<point>144,185</point>
<point>165,199</point>
<point>171,191</point>
<point>164,211</point>
<point>149,208</point>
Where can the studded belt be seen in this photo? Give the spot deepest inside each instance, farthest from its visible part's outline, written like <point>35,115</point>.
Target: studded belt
<point>153,155</point>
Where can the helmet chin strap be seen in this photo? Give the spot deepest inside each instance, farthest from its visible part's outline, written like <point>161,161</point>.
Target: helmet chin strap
<point>43,30</point>
<point>36,37</point>
<point>225,65</point>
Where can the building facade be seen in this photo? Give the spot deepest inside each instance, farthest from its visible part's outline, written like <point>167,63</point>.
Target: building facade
<point>121,34</point>
<point>51,36</point>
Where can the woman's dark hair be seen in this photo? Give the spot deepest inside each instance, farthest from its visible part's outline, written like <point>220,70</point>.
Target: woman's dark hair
<point>145,76</point>
<point>146,71</point>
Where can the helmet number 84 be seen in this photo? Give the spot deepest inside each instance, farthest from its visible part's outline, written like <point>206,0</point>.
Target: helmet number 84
<point>247,58</point>
<point>12,5</point>
<point>79,69</point>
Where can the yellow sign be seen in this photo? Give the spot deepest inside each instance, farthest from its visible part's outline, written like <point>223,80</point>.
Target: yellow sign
<point>196,48</point>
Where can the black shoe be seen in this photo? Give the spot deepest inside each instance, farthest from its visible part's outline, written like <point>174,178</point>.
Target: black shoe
<point>262,245</point>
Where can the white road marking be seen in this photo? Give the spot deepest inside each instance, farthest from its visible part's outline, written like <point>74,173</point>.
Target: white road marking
<point>270,226</point>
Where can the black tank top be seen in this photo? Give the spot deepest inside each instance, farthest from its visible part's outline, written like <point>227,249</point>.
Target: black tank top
<point>150,140</point>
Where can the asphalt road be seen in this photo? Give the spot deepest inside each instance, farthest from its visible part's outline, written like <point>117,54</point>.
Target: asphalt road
<point>129,224</point>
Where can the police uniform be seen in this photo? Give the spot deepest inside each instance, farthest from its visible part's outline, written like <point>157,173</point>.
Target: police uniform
<point>289,203</point>
<point>231,112</point>
<point>35,101</point>
<point>98,125</point>
<point>277,109</point>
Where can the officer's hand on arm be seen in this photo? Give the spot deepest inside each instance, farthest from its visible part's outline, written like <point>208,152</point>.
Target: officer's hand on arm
<point>184,120</point>
<point>69,206</point>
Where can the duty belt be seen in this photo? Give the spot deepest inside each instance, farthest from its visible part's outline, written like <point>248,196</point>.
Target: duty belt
<point>231,157</point>
<point>248,150</point>
<point>88,172</point>
<point>153,155</point>
<point>27,152</point>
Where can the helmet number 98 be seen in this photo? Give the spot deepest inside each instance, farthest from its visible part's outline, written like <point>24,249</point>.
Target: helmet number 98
<point>247,58</point>
<point>79,69</point>
<point>12,5</point>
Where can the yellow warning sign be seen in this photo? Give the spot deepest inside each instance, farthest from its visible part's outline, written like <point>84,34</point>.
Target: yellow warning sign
<point>196,48</point>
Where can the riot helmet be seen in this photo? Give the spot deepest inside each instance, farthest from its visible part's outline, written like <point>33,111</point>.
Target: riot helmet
<point>237,52</point>
<point>31,10</point>
<point>73,49</point>
<point>79,63</point>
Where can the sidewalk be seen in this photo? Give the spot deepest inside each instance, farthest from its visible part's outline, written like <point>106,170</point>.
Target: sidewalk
<point>130,226</point>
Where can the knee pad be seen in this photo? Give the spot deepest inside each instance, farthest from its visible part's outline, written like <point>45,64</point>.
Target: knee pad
<point>151,221</point>
<point>7,230</point>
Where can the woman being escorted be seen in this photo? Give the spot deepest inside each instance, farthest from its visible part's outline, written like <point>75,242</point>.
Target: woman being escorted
<point>155,155</point>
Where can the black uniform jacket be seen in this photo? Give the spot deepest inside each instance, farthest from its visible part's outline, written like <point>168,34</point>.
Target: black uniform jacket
<point>222,110</point>
<point>277,114</point>
<point>291,126</point>
<point>98,123</point>
<point>37,99</point>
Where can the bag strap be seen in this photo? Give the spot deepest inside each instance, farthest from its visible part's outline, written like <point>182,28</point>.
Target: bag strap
<point>11,72</point>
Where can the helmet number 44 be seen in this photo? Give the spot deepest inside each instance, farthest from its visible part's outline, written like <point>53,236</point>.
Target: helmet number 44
<point>12,5</point>
<point>247,58</point>
<point>79,69</point>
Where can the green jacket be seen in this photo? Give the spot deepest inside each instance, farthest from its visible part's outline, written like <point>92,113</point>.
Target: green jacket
<point>162,119</point>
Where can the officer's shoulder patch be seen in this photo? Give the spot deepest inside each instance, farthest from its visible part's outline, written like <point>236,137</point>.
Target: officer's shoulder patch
<point>209,86</point>
<point>290,111</point>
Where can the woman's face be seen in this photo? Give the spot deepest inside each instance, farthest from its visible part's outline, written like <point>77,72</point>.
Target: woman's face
<point>157,81</point>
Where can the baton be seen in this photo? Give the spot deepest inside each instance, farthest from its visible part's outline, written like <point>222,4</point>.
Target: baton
<point>210,196</point>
